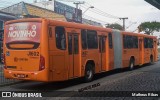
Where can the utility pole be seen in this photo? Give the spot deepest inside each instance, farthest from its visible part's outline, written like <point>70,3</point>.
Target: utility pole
<point>77,3</point>
<point>123,22</point>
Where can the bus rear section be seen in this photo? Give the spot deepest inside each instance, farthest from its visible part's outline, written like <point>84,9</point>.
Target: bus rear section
<point>22,51</point>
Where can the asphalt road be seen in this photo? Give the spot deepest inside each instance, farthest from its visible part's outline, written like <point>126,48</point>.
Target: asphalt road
<point>144,78</point>
<point>4,81</point>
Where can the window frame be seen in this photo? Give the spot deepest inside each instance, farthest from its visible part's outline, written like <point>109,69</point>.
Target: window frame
<point>110,40</point>
<point>130,42</point>
<point>85,41</point>
<point>96,40</point>
<point>64,33</point>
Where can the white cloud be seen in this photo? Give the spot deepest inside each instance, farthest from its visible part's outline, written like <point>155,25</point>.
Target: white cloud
<point>136,10</point>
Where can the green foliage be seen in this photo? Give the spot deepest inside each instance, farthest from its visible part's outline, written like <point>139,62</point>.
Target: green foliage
<point>149,27</point>
<point>115,26</point>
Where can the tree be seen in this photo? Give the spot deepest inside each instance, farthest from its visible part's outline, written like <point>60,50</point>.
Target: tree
<point>114,26</point>
<point>149,27</point>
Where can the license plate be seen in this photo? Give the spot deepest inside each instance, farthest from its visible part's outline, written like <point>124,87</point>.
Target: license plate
<point>21,76</point>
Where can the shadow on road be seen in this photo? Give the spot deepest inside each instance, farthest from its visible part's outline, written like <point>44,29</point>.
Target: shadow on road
<point>48,86</point>
<point>52,86</point>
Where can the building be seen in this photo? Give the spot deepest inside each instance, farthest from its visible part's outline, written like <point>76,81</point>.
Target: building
<point>71,13</point>
<point>91,22</point>
<point>51,9</point>
<point>66,10</point>
<point>23,9</point>
<point>3,18</point>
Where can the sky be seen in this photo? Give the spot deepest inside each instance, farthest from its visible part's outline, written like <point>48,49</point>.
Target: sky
<point>137,11</point>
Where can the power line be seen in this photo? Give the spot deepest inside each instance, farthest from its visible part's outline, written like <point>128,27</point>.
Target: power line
<point>94,19</point>
<point>117,21</point>
<point>97,11</point>
<point>68,0</point>
<point>100,12</point>
<point>132,23</point>
<point>103,11</point>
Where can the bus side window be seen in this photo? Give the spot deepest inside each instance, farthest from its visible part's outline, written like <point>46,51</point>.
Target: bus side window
<point>145,42</point>
<point>84,39</point>
<point>136,42</point>
<point>130,41</point>
<point>60,37</point>
<point>151,43</point>
<point>124,42</point>
<point>92,40</point>
<point>110,40</point>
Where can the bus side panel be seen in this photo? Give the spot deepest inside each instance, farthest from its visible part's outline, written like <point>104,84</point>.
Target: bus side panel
<point>108,67</point>
<point>131,53</point>
<point>117,45</point>
<point>131,50</point>
<point>44,52</point>
<point>148,51</point>
<point>155,55</point>
<point>57,62</point>
<point>73,52</point>
<point>51,44</point>
<point>136,56</point>
<point>111,59</point>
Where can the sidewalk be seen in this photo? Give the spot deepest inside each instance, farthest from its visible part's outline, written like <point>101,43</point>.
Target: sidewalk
<point>3,80</point>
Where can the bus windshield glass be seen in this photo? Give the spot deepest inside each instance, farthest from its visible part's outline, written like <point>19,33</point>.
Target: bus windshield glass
<point>23,35</point>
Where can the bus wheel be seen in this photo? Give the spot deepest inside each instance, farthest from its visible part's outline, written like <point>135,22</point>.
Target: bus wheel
<point>88,73</point>
<point>131,64</point>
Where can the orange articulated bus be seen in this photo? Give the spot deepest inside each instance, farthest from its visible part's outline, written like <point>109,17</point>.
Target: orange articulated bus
<point>49,50</point>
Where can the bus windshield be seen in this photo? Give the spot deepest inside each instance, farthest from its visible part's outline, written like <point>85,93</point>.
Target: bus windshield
<point>23,35</point>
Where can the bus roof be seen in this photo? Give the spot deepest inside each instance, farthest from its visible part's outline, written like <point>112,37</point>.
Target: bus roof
<point>75,25</point>
<point>24,20</point>
<point>60,23</point>
<point>138,34</point>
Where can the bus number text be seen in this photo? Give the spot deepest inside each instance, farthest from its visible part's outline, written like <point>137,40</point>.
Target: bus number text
<point>33,53</point>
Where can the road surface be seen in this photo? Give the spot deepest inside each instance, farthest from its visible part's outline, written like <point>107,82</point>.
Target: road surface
<point>144,78</point>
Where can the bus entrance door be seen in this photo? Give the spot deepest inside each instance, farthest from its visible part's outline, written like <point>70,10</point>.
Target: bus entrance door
<point>74,55</point>
<point>102,50</point>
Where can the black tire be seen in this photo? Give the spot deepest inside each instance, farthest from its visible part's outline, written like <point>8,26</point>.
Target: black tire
<point>131,64</point>
<point>89,72</point>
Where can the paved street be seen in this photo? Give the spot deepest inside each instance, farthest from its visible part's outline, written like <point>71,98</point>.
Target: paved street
<point>4,81</point>
<point>145,78</point>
